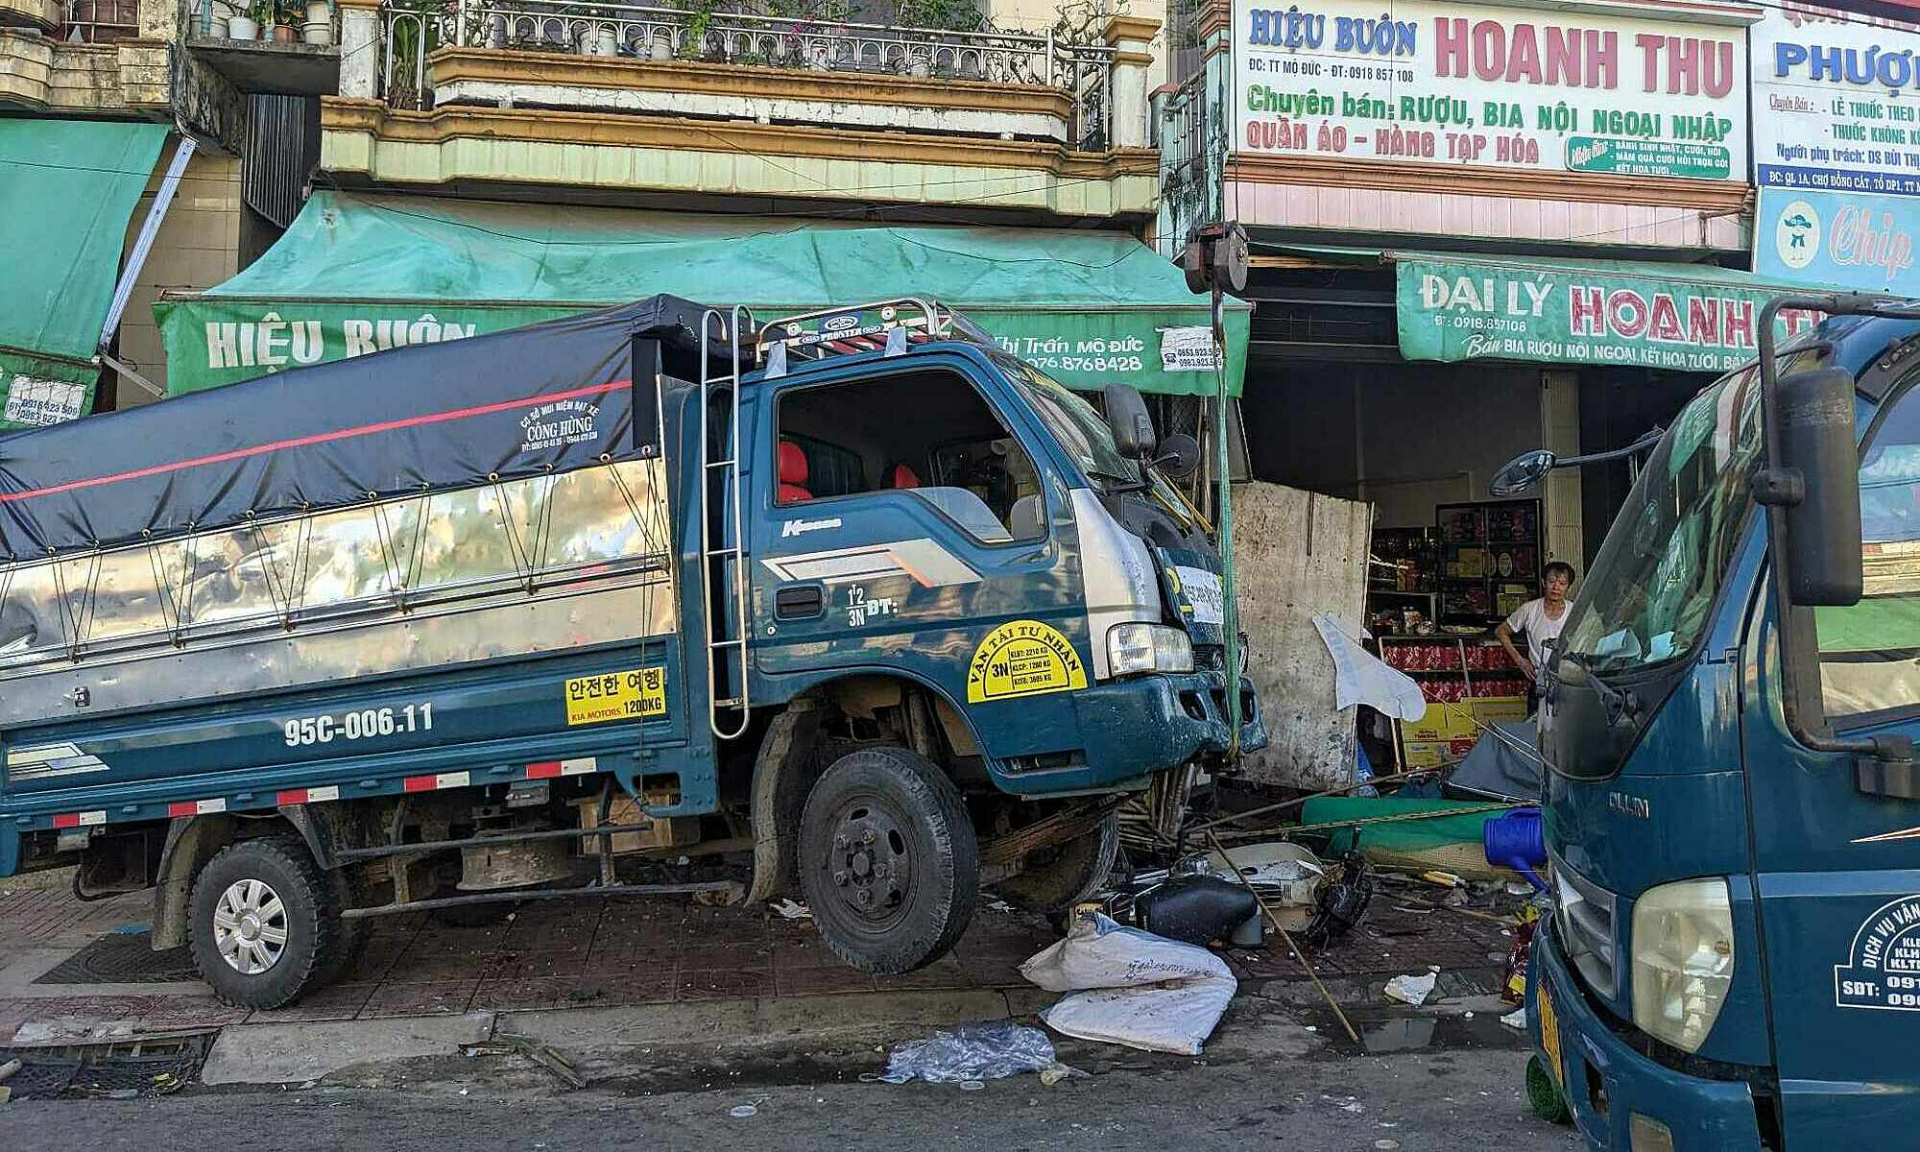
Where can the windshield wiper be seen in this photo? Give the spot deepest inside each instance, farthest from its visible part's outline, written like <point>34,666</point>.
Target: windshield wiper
<point>1616,702</point>
<point>1115,485</point>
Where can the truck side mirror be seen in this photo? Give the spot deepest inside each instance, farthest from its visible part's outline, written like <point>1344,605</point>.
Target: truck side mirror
<point>1179,456</point>
<point>1522,473</point>
<point>1131,425</point>
<point>1815,482</point>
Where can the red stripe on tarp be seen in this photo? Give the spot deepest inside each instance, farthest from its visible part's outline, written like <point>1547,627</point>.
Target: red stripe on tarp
<point>316,438</point>
<point>67,820</point>
<point>420,784</point>
<point>545,770</point>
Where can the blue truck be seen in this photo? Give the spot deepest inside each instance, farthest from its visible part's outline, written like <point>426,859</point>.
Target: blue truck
<point>1731,801</point>
<point>853,596</point>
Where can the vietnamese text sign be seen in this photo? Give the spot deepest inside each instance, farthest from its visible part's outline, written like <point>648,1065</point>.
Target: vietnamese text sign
<point>212,340</point>
<point>1476,84</point>
<point>1837,103</point>
<point>1473,311</point>
<point>1837,239</point>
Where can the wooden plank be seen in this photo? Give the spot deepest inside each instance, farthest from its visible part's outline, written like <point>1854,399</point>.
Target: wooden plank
<point>1298,554</point>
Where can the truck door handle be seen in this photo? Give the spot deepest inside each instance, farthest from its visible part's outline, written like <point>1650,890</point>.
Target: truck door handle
<point>799,602</point>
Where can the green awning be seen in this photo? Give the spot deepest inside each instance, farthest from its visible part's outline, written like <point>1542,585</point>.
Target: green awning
<point>67,189</point>
<point>1455,306</point>
<point>357,273</point>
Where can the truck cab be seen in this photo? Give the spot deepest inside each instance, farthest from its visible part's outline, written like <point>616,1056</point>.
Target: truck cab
<point>850,606</point>
<point>1731,805</point>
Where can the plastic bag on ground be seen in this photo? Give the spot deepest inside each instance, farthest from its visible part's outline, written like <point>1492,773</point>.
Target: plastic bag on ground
<point>1132,987</point>
<point>1412,990</point>
<point>986,1051</point>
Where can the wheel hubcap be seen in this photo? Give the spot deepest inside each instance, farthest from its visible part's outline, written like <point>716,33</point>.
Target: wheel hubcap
<point>869,863</point>
<point>250,927</point>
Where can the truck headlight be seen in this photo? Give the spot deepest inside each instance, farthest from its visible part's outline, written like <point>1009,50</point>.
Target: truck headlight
<point>1682,960</point>
<point>1148,648</point>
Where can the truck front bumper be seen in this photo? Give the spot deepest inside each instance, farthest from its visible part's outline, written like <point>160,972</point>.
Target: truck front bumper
<point>1606,1082</point>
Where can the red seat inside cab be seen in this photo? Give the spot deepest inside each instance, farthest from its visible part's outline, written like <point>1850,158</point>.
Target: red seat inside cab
<point>903,477</point>
<point>793,474</point>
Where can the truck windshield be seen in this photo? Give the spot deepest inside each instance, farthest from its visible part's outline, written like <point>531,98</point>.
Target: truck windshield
<point>1649,592</point>
<point>1073,421</point>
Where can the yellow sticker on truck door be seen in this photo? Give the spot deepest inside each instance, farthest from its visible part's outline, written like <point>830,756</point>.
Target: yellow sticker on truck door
<point>1023,658</point>
<point>630,695</point>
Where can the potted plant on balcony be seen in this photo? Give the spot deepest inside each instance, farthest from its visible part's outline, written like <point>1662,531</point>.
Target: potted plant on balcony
<point>318,27</point>
<point>286,17</point>
<point>244,24</point>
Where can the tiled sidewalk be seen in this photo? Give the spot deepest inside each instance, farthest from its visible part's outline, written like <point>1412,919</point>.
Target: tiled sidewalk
<point>587,953</point>
<point>572,954</point>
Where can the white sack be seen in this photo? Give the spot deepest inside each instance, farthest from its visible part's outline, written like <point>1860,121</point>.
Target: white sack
<point>1133,988</point>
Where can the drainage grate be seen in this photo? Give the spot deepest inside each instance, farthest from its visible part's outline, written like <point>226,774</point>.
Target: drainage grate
<point>124,958</point>
<point>150,1066</point>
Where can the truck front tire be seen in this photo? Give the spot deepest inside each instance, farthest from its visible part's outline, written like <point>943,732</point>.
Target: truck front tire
<point>264,923</point>
<point>888,860</point>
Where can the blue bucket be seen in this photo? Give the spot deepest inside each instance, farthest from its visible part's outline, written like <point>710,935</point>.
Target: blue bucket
<point>1516,840</point>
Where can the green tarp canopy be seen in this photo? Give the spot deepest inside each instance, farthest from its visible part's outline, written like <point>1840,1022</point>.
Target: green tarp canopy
<point>358,273</point>
<point>67,189</point>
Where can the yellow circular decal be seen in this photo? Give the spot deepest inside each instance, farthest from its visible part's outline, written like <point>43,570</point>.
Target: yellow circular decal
<point>1023,658</point>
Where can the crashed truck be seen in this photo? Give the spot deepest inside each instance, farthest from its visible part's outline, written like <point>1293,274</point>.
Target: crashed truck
<point>853,595</point>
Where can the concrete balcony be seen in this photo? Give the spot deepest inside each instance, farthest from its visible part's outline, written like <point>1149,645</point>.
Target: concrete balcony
<point>26,66</point>
<point>42,14</point>
<point>306,63</point>
<point>613,98</point>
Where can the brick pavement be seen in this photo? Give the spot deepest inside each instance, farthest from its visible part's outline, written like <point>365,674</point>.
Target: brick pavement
<point>571,954</point>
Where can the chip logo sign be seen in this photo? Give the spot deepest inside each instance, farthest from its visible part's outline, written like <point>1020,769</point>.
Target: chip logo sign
<point>1883,962</point>
<point>1797,235</point>
<point>558,425</point>
<point>1858,240</point>
<point>1023,658</point>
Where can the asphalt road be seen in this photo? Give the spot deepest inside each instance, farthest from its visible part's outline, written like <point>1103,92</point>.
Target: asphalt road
<point>1467,1099</point>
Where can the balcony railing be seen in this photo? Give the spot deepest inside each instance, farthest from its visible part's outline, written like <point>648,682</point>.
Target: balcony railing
<point>412,31</point>
<point>99,21</point>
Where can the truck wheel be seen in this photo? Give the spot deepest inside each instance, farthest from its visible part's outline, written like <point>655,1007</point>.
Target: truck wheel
<point>263,922</point>
<point>1055,879</point>
<point>888,860</point>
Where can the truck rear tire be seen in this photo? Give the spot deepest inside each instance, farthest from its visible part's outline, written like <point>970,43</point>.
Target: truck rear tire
<point>263,923</point>
<point>888,860</point>
<point>1055,879</point>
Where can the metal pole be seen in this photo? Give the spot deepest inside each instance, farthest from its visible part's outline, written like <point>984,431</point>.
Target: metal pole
<point>143,244</point>
<point>1223,465</point>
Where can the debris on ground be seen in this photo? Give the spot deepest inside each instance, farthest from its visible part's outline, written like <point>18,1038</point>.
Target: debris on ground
<point>1412,990</point>
<point>1132,987</point>
<point>1196,909</point>
<point>792,909</point>
<point>971,1052</point>
<point>8,1069</point>
<point>1515,1019</point>
<point>545,1055</point>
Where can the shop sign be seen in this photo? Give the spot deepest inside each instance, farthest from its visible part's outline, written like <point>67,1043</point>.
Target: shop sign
<point>1429,82</point>
<point>1469,311</point>
<point>1838,239</point>
<point>212,341</point>
<point>1837,101</point>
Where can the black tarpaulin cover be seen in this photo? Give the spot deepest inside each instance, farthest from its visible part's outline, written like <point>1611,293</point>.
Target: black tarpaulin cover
<point>557,395</point>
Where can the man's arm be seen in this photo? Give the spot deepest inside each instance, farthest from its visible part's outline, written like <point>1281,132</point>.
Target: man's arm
<point>1504,633</point>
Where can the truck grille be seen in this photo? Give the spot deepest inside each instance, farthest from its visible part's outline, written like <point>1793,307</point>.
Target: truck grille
<point>1584,912</point>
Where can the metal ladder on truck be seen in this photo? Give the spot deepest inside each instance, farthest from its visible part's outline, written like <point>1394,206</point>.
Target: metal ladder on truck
<point>724,564</point>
